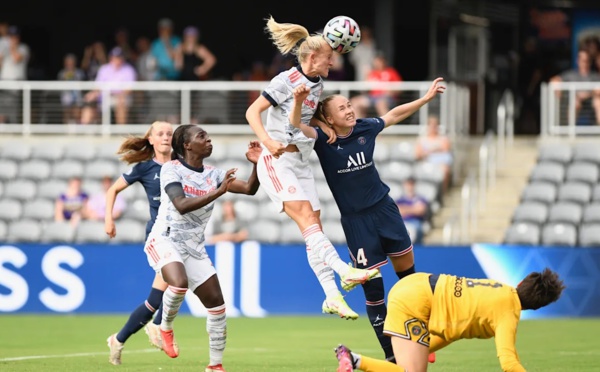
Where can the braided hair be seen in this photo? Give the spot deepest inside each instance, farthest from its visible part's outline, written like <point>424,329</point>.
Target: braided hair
<point>180,137</point>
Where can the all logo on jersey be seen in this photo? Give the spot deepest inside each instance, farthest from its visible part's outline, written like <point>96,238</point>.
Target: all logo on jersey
<point>156,176</point>
<point>362,140</point>
<point>356,162</point>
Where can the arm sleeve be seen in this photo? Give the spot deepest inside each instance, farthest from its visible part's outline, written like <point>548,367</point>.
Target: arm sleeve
<point>134,174</point>
<point>375,124</point>
<point>506,335</point>
<point>277,91</point>
<point>169,175</point>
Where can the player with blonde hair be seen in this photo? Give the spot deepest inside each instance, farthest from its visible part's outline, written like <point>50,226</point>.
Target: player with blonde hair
<point>148,154</point>
<point>283,167</point>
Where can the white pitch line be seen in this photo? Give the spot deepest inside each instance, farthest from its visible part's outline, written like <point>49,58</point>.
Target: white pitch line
<point>99,353</point>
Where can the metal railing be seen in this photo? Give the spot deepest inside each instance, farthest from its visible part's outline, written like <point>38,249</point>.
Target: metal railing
<point>35,107</point>
<point>568,108</point>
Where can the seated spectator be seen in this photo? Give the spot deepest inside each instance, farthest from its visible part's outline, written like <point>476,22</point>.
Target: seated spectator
<point>116,70</point>
<point>414,209</point>
<point>380,99</point>
<point>95,208</point>
<point>229,228</point>
<point>70,205</point>
<point>70,99</point>
<point>587,103</point>
<point>435,148</point>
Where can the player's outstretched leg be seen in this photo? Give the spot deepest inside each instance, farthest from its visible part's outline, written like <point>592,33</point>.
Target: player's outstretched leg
<point>337,305</point>
<point>346,362</point>
<point>216,326</point>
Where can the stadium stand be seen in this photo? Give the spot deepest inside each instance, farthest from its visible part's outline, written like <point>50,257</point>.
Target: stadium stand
<point>33,174</point>
<point>560,206</point>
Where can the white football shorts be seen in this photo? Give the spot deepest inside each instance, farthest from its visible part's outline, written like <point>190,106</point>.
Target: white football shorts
<point>287,179</point>
<point>161,250</point>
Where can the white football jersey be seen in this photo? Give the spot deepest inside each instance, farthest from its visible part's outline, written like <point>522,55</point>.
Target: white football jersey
<point>280,93</point>
<point>186,231</point>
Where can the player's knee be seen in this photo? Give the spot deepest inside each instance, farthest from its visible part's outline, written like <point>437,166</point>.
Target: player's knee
<point>374,290</point>
<point>179,280</point>
<point>212,299</point>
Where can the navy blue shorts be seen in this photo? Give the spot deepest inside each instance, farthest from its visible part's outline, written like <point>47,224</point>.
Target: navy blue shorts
<point>375,234</point>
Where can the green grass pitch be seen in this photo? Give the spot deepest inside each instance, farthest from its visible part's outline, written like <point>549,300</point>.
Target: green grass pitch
<point>77,343</point>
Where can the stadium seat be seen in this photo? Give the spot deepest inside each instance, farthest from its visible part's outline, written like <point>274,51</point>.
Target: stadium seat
<point>429,172</point>
<point>129,231</point>
<point>577,192</point>
<point>8,169</point>
<point>67,168</point>
<point>396,189</point>
<point>3,231</point>
<point>556,152</point>
<point>531,212</point>
<point>1,189</point>
<point>134,192</point>
<point>559,234</point>
<point>236,150</point>
<point>583,172</point>
<point>19,189</point>
<point>90,232</point>
<point>244,167</point>
<point>137,210</point>
<point>591,213</point>
<point>403,151</point>
<point>81,150</point>
<point>548,172</point>
<point>39,210</point>
<point>265,231</point>
<point>586,152</point>
<point>36,170</point>
<point>27,231</point>
<point>523,234</point>
<point>428,191</point>
<point>268,211</point>
<point>330,212</point>
<point>396,170</point>
<point>334,231</point>
<point>58,232</point>
<point>98,169</point>
<point>15,150</point>
<point>543,192</point>
<point>51,189</point>
<point>289,232</point>
<point>565,212</point>
<point>589,235</point>
<point>219,153</point>
<point>107,150</point>
<point>596,193</point>
<point>324,192</point>
<point>381,153</point>
<point>53,152</point>
<point>246,209</point>
<point>91,186</point>
<point>10,210</point>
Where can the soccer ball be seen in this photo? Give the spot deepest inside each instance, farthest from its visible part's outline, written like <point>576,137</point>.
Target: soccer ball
<point>342,34</point>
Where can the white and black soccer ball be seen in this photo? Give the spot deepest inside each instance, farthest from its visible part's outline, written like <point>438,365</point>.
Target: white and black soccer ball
<point>342,34</point>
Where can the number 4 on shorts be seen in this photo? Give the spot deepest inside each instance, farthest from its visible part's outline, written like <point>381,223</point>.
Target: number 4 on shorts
<point>360,257</point>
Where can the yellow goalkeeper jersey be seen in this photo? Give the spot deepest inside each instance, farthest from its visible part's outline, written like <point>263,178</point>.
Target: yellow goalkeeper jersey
<point>477,308</point>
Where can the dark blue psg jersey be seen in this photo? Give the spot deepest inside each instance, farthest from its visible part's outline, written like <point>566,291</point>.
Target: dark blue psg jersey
<point>148,174</point>
<point>349,168</point>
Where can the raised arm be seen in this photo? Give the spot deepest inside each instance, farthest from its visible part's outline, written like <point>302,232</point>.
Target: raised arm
<point>184,204</point>
<point>399,113</point>
<point>301,92</point>
<point>249,187</point>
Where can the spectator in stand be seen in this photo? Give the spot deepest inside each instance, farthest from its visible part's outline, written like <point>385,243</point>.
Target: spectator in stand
<point>145,62</point>
<point>95,208</point>
<point>165,49</point>
<point>194,59</point>
<point>229,228</point>
<point>71,100</point>
<point>337,72</point>
<point>363,55</point>
<point>414,210</point>
<point>587,102</point>
<point>436,148</point>
<point>69,205</point>
<point>380,99</point>
<point>94,56</point>
<point>13,66</point>
<point>122,41</point>
<point>4,38</point>
<point>116,70</point>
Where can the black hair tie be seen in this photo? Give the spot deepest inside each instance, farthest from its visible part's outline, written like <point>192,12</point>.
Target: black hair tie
<point>300,42</point>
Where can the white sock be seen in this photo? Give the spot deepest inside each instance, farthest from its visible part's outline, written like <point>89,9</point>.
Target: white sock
<point>323,248</point>
<point>323,273</point>
<point>355,360</point>
<point>216,326</point>
<point>172,299</point>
